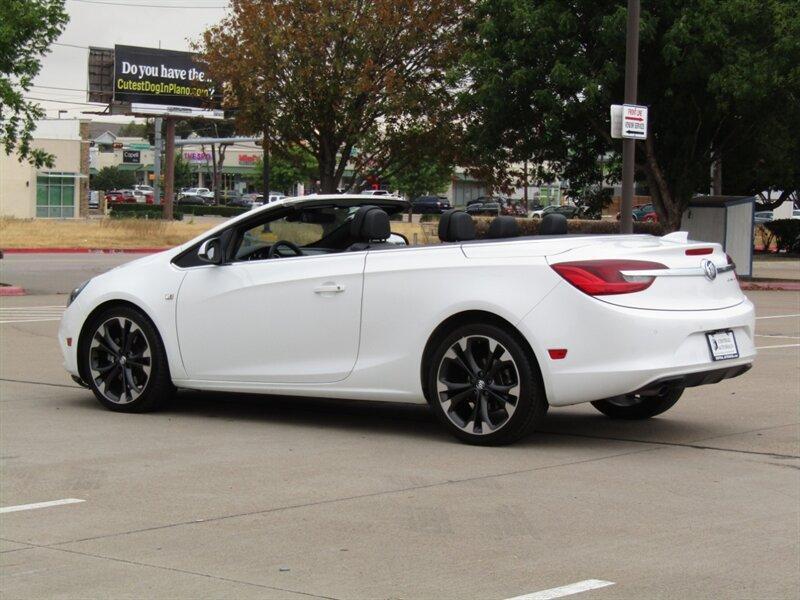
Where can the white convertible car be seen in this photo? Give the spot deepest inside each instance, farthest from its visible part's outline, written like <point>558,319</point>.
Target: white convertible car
<point>315,296</point>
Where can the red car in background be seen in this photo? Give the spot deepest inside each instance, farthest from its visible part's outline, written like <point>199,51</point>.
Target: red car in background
<point>120,197</point>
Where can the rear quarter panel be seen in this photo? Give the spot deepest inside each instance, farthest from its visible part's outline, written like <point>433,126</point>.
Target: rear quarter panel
<point>411,291</point>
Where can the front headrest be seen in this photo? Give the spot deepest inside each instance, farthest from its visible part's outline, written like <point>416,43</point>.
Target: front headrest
<point>553,224</point>
<point>370,223</point>
<point>503,227</point>
<point>456,226</point>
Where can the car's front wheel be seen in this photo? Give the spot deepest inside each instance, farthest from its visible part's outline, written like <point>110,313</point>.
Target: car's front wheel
<point>638,406</point>
<point>126,361</point>
<point>484,387</point>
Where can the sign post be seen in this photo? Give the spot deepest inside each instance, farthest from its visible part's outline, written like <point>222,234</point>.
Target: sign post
<point>169,175</point>
<point>628,143</point>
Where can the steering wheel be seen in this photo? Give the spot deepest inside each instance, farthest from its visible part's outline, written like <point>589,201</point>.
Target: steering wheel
<point>273,250</point>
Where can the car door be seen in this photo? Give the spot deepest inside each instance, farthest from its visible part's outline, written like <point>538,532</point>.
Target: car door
<point>287,320</point>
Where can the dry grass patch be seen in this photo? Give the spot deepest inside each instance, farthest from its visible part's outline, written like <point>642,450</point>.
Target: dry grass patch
<point>97,233</point>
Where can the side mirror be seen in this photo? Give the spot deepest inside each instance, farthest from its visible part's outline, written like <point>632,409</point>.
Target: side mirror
<point>210,251</point>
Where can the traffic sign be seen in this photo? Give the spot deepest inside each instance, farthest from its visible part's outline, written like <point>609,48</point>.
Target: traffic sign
<point>634,121</point>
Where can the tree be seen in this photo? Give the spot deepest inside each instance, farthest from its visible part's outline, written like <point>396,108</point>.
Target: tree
<point>134,129</point>
<point>541,76</point>
<point>113,178</point>
<point>27,28</point>
<point>184,177</point>
<point>338,78</point>
<point>285,172</point>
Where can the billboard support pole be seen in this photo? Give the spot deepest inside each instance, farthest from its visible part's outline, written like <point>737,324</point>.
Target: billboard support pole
<point>629,145</point>
<point>157,162</point>
<point>169,175</point>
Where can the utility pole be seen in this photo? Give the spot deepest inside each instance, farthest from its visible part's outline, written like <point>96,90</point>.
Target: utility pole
<point>169,176</point>
<point>629,145</point>
<point>157,162</point>
<point>265,163</point>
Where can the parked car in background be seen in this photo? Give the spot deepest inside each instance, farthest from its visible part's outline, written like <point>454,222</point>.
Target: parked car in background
<point>195,191</point>
<point>120,197</point>
<point>763,216</point>
<point>796,214</point>
<point>376,193</point>
<point>145,189</point>
<point>432,205</point>
<point>570,211</point>
<point>483,205</point>
<point>194,199</point>
<point>640,211</point>
<point>273,197</point>
<point>228,196</point>
<point>513,208</point>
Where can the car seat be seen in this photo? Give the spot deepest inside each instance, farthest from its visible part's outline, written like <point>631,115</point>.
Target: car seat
<point>456,226</point>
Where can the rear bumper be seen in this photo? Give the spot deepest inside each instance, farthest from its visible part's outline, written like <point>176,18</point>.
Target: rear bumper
<point>694,379</point>
<point>614,350</point>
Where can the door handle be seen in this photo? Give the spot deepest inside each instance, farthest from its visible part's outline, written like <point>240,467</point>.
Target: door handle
<point>329,288</point>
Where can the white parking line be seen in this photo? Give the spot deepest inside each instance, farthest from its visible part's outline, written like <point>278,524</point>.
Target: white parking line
<point>781,346</point>
<point>566,590</point>
<point>18,507</point>
<point>778,316</point>
<point>778,337</point>
<point>30,314</point>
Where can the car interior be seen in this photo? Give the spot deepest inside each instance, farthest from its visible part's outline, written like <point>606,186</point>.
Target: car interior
<point>327,229</point>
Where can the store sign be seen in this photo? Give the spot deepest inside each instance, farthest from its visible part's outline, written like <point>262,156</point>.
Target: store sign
<point>248,159</point>
<point>131,156</point>
<point>160,81</point>
<point>197,157</point>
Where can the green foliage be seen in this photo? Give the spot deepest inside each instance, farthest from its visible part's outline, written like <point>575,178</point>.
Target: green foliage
<point>716,75</point>
<point>27,28</point>
<point>183,172</point>
<point>296,165</point>
<point>134,129</point>
<point>413,179</point>
<point>786,232</point>
<point>112,178</point>
<point>221,211</point>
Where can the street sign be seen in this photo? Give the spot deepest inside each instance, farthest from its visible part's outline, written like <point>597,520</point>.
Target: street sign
<point>634,121</point>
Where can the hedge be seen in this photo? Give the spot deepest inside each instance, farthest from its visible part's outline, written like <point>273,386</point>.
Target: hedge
<point>134,210</point>
<point>531,226</point>
<point>786,232</point>
<point>145,212</point>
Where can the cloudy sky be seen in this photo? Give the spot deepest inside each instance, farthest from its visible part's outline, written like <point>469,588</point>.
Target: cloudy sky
<point>168,23</point>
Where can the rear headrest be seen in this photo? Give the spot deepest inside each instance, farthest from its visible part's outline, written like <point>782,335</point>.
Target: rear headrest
<point>370,224</point>
<point>503,227</point>
<point>553,224</point>
<point>456,226</point>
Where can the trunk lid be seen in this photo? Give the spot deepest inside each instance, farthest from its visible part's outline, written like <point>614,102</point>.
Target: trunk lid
<point>695,276</point>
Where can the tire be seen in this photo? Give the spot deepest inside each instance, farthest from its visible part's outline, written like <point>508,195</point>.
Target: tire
<point>636,406</point>
<point>113,339</point>
<point>498,401</point>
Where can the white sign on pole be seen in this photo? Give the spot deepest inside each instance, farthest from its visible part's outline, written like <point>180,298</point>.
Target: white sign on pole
<point>634,121</point>
<point>176,111</point>
<point>616,121</point>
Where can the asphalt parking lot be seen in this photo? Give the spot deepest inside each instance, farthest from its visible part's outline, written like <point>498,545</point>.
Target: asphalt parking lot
<point>240,496</point>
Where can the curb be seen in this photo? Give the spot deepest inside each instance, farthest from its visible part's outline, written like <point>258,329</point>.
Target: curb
<point>12,290</point>
<point>770,286</point>
<point>83,250</point>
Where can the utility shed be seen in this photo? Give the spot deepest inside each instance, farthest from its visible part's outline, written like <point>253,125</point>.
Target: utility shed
<point>727,220</point>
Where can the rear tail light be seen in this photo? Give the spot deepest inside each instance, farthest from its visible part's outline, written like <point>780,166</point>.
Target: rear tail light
<point>604,277</point>
<point>699,251</point>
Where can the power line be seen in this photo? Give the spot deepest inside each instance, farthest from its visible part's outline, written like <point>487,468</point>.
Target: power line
<point>70,45</point>
<point>149,5</point>
<point>62,101</point>
<point>52,87</point>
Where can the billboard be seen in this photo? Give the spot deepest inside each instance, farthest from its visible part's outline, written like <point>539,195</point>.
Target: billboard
<point>166,82</point>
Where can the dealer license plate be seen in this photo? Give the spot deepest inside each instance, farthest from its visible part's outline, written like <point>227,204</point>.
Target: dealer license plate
<point>722,344</point>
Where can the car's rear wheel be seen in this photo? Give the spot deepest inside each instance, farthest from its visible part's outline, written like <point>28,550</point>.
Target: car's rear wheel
<point>638,406</point>
<point>126,362</point>
<point>483,385</point>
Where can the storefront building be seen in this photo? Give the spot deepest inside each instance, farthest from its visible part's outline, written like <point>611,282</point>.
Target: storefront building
<point>57,192</point>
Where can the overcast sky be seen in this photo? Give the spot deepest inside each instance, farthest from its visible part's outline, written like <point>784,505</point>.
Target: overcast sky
<point>108,22</point>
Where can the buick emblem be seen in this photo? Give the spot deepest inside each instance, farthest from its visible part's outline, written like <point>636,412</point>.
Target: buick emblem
<point>709,269</point>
